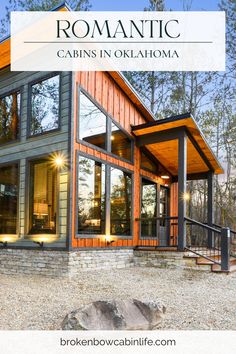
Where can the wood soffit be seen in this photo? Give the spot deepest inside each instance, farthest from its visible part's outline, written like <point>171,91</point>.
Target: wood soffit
<point>167,151</point>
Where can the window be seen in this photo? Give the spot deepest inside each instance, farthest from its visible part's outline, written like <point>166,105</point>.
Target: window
<point>163,203</point>
<point>97,128</point>
<point>149,209</point>
<point>8,199</point>
<point>43,198</point>
<point>120,143</point>
<point>9,117</point>
<point>91,198</point>
<point>45,106</point>
<point>92,123</point>
<point>121,192</point>
<point>104,198</point>
<point>148,164</point>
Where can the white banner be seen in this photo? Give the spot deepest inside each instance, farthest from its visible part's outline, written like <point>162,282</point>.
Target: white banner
<point>107,342</point>
<point>119,41</point>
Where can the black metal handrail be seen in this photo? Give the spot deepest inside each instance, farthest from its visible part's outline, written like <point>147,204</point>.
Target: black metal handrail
<point>221,227</point>
<point>206,226</point>
<point>158,218</point>
<point>206,242</point>
<point>232,240</point>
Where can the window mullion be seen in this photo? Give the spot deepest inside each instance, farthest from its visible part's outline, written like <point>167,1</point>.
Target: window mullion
<point>109,123</point>
<point>108,201</point>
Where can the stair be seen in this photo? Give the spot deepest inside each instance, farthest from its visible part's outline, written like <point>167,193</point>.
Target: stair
<point>212,266</point>
<point>217,269</point>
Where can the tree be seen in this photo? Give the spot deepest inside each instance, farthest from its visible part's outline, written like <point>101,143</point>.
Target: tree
<point>210,97</point>
<point>37,5</point>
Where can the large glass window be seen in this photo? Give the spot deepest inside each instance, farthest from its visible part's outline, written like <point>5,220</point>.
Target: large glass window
<point>9,117</point>
<point>97,128</point>
<point>94,214</point>
<point>92,123</point>
<point>149,209</point>
<point>121,194</point>
<point>45,105</point>
<point>43,197</point>
<point>120,143</point>
<point>91,198</point>
<point>148,164</point>
<point>8,199</point>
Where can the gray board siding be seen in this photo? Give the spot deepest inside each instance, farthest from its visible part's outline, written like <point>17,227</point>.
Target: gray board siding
<point>26,148</point>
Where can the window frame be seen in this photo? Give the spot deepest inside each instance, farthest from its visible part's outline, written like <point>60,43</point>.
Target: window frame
<point>154,160</point>
<point>29,102</point>
<point>10,163</point>
<point>29,161</point>
<point>159,186</point>
<point>8,93</point>
<point>157,205</point>
<point>108,166</point>
<point>109,121</point>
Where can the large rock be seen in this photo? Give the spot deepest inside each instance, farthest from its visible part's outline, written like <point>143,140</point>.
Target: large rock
<point>115,315</point>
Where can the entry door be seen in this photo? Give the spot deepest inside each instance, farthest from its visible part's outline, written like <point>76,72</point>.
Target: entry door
<point>164,212</point>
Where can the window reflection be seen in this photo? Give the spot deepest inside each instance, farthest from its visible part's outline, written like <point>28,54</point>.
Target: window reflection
<point>121,192</point>
<point>91,200</point>
<point>8,199</point>
<point>92,123</point>
<point>149,208</point>
<point>43,197</point>
<point>120,143</point>
<point>148,164</point>
<point>45,106</point>
<point>9,117</point>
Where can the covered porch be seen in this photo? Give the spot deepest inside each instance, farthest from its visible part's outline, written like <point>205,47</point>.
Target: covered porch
<point>180,146</point>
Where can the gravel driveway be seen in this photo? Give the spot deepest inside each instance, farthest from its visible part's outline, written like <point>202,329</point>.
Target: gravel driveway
<point>194,300</point>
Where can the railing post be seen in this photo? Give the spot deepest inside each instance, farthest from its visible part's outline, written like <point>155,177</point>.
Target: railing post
<point>225,249</point>
<point>210,210</point>
<point>182,182</point>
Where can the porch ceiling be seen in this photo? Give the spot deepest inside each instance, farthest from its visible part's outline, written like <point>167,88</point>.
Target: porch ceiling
<point>161,139</point>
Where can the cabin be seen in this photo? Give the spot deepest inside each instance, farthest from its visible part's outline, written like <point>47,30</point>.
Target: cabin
<point>89,178</point>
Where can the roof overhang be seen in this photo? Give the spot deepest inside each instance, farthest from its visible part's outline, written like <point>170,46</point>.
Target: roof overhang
<point>161,139</point>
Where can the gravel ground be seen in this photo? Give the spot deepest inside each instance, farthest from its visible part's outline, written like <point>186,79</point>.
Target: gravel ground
<point>194,300</point>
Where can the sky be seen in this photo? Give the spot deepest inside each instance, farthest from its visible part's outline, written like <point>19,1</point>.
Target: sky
<point>136,5</point>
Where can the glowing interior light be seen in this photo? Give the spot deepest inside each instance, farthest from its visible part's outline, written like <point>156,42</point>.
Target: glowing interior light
<point>9,238</point>
<point>58,160</point>
<point>165,177</point>
<point>186,196</point>
<point>45,238</point>
<point>112,137</point>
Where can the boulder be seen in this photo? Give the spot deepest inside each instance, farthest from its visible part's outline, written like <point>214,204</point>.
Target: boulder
<point>115,315</point>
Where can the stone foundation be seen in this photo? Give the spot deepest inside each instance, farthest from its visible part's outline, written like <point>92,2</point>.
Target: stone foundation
<point>62,263</point>
<point>166,259</point>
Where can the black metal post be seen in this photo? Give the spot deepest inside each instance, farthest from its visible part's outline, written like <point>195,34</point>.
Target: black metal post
<point>182,182</point>
<point>225,249</point>
<point>210,209</point>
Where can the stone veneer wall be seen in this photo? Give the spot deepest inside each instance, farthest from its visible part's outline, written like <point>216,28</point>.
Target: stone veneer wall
<point>167,259</point>
<point>62,263</point>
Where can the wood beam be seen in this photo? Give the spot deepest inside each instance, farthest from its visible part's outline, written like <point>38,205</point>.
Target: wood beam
<point>159,137</point>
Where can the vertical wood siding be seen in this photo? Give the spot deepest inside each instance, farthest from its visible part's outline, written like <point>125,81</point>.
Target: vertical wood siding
<point>108,94</point>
